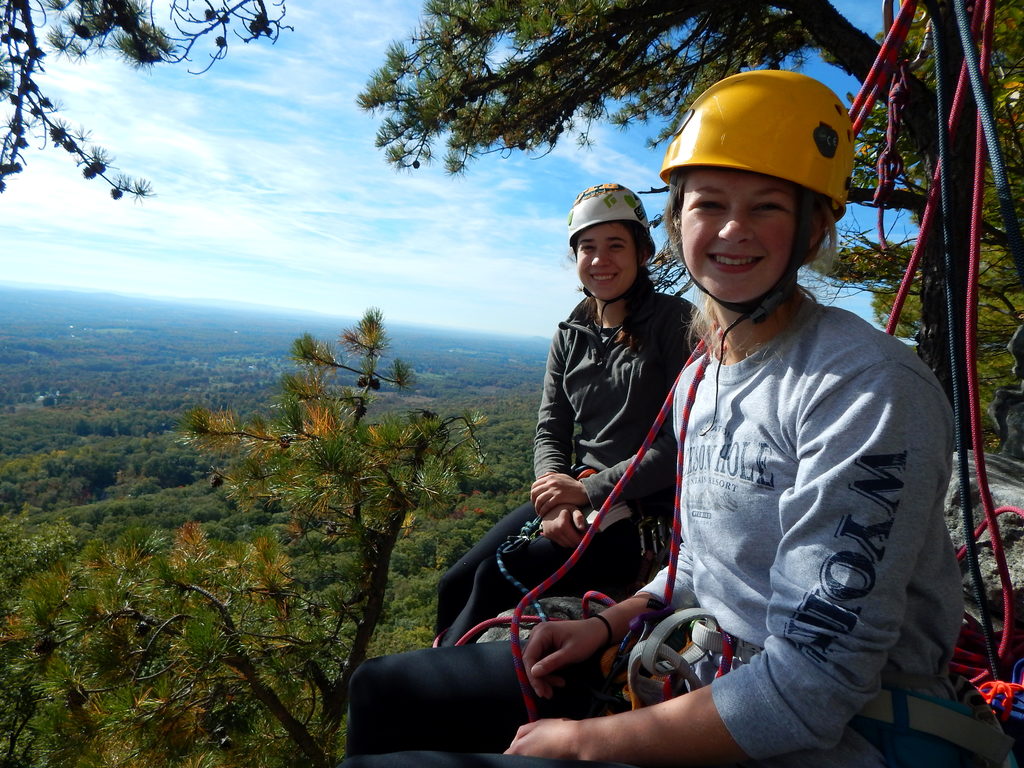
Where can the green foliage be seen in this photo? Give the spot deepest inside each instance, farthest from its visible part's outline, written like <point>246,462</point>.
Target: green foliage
<point>186,653</point>
<point>101,467</point>
<point>203,652</point>
<point>25,550</point>
<point>493,76</point>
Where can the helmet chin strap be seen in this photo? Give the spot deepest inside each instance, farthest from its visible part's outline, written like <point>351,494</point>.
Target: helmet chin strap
<point>758,310</point>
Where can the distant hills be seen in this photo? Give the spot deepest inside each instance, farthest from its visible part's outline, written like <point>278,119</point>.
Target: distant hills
<point>92,387</point>
<point>95,346</point>
<point>56,310</point>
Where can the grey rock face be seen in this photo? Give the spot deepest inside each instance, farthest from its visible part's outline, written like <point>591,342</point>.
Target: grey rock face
<point>1007,408</point>
<point>554,608</point>
<point>1006,485</point>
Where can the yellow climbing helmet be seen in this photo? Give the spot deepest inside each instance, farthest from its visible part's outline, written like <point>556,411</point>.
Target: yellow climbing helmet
<point>774,122</point>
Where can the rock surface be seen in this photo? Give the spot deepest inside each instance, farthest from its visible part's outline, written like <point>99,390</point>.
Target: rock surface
<point>554,608</point>
<point>1007,407</point>
<point>1006,485</point>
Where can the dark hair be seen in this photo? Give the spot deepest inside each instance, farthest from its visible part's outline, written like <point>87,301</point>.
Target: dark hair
<point>636,294</point>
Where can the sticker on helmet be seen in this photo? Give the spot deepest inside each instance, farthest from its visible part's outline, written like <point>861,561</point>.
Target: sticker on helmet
<point>826,140</point>
<point>683,121</point>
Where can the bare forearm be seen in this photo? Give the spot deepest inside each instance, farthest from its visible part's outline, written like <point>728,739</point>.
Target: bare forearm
<point>683,731</point>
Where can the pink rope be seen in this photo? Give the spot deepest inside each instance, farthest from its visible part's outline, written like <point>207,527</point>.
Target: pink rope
<point>890,163</point>
<point>677,516</point>
<point>882,69</point>
<point>982,22</point>
<point>971,325</point>
<point>930,209</point>
<point>609,502</point>
<point>497,621</point>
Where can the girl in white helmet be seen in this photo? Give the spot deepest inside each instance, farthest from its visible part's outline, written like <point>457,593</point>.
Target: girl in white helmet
<point>815,459</point>
<point>610,366</point>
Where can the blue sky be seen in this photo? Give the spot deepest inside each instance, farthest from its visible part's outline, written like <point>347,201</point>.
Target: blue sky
<point>269,190</point>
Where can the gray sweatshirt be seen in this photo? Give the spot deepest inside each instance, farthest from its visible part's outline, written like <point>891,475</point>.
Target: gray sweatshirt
<point>813,527</point>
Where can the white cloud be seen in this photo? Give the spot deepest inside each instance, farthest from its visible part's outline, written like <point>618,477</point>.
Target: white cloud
<point>269,189</point>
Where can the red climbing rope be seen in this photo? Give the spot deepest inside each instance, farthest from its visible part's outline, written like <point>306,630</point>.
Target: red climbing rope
<point>982,22</point>
<point>974,260</point>
<point>881,72</point>
<point>609,502</point>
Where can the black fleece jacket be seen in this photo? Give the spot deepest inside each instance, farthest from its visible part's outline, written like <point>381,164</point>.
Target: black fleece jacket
<point>600,398</point>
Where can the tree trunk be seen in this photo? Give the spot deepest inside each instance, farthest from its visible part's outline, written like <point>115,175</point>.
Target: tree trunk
<point>377,548</point>
<point>835,35</point>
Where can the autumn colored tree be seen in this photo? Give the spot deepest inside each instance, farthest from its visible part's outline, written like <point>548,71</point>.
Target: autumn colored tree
<point>205,653</point>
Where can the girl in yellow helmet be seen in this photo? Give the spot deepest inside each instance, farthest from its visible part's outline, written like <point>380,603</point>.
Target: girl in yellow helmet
<point>815,459</point>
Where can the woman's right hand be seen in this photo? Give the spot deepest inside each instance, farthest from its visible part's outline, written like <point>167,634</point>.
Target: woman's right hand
<point>554,644</point>
<point>564,525</point>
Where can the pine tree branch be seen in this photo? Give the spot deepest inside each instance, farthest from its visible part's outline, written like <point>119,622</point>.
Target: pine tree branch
<point>241,662</point>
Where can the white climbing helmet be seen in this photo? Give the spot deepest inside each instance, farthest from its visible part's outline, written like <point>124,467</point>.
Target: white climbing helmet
<point>608,202</point>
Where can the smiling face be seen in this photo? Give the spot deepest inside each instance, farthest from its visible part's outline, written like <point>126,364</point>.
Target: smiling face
<point>736,230</point>
<point>606,260</point>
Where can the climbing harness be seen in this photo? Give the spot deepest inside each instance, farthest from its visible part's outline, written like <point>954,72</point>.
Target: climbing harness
<point>912,729</point>
<point>664,664</point>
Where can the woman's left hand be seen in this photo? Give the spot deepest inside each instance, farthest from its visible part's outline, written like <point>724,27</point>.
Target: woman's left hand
<point>565,526</point>
<point>547,738</point>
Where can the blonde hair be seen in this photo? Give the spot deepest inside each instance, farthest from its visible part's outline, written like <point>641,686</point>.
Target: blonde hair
<point>820,256</point>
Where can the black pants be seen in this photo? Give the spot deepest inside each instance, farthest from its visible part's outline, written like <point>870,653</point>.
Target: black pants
<point>466,760</point>
<point>474,589</point>
<point>446,703</point>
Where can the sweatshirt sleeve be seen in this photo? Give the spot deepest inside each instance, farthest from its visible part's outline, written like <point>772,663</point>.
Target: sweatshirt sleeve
<point>552,442</point>
<point>862,518</point>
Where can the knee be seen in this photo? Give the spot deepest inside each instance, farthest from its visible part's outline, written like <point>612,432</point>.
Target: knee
<point>367,704</point>
<point>369,691</point>
<point>366,683</point>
